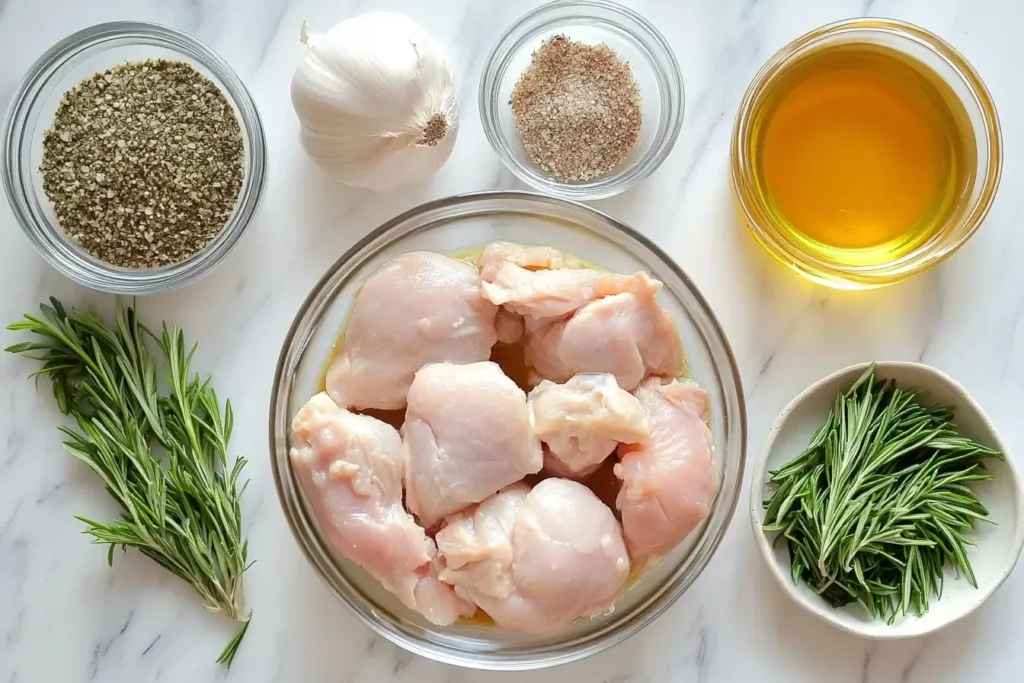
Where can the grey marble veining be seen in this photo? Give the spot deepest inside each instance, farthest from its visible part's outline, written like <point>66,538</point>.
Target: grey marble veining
<point>65,616</point>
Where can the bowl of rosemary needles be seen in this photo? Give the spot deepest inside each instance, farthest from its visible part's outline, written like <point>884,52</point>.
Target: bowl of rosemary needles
<point>885,502</point>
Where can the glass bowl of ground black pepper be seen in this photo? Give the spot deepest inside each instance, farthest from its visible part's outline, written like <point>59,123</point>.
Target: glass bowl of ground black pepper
<point>582,99</point>
<point>134,157</point>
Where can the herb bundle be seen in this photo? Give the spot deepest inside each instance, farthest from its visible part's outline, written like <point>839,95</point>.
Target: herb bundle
<point>183,509</point>
<point>880,501</point>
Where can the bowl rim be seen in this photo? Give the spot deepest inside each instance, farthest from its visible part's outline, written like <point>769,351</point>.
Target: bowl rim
<point>654,607</point>
<point>861,276</point>
<point>48,238</point>
<point>671,87</point>
<point>759,480</point>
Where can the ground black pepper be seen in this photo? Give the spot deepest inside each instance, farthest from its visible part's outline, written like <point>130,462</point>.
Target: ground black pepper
<point>577,109</point>
<point>144,163</point>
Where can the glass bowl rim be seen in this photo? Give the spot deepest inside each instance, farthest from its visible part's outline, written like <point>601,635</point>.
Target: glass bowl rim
<point>671,90</point>
<point>832,274</point>
<point>321,296</point>
<point>18,178</point>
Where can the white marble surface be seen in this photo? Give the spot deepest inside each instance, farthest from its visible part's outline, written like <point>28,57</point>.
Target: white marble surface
<point>65,616</point>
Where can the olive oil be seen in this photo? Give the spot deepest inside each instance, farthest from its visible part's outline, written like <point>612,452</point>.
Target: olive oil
<point>862,153</point>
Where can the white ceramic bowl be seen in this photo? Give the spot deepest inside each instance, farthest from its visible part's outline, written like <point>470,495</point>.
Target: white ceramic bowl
<point>997,547</point>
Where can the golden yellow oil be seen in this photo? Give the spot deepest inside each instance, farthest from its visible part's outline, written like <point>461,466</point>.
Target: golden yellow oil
<point>861,153</point>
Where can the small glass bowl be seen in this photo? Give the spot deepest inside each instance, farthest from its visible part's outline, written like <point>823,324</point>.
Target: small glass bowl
<point>973,206</point>
<point>590,21</point>
<point>64,66</point>
<point>457,225</point>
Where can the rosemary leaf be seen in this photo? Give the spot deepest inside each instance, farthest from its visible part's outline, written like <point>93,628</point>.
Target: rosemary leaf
<point>880,501</point>
<point>162,455</point>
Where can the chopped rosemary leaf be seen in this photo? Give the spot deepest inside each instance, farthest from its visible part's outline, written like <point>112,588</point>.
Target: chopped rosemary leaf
<point>880,501</point>
<point>162,454</point>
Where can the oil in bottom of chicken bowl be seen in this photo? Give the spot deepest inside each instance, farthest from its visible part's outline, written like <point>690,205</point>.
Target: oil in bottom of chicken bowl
<point>862,153</point>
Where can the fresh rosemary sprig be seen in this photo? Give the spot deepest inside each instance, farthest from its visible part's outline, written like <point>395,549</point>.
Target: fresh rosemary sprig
<point>880,501</point>
<point>162,455</point>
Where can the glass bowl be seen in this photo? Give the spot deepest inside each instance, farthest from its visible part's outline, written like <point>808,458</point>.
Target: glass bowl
<point>64,66</point>
<point>454,225</point>
<point>972,206</point>
<point>590,21</point>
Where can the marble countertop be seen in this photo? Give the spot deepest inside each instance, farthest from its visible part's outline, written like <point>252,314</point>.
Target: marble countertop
<point>65,616</point>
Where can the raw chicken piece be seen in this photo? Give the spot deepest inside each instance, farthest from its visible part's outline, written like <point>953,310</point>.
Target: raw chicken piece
<point>554,466</point>
<point>467,434</point>
<point>509,326</point>
<point>553,293</point>
<point>530,257</point>
<point>668,484</point>
<point>536,560</point>
<point>510,279</point>
<point>628,335</point>
<point>351,471</point>
<point>583,420</point>
<point>416,309</point>
<point>475,545</point>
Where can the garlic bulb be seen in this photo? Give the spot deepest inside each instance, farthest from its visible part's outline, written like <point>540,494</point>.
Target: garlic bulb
<point>376,99</point>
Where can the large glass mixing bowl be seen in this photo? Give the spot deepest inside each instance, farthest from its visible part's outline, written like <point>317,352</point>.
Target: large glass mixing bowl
<point>457,224</point>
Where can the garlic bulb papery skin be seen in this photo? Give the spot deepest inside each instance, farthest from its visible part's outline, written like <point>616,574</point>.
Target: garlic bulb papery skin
<point>375,96</point>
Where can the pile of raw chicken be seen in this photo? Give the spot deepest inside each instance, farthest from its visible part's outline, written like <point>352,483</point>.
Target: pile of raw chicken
<point>469,533</point>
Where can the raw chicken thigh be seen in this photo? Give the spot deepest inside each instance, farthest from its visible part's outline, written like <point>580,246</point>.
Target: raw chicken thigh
<point>531,257</point>
<point>583,420</point>
<point>416,309</point>
<point>467,435</point>
<point>475,545</point>
<point>351,471</point>
<point>509,326</point>
<point>536,560</point>
<point>669,483</point>
<point>628,335</point>
<point>511,280</point>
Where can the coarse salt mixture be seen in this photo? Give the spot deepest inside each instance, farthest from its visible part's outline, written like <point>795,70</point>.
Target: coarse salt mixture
<point>577,109</point>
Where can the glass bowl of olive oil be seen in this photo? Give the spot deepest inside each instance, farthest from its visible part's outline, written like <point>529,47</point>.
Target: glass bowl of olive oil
<point>864,152</point>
